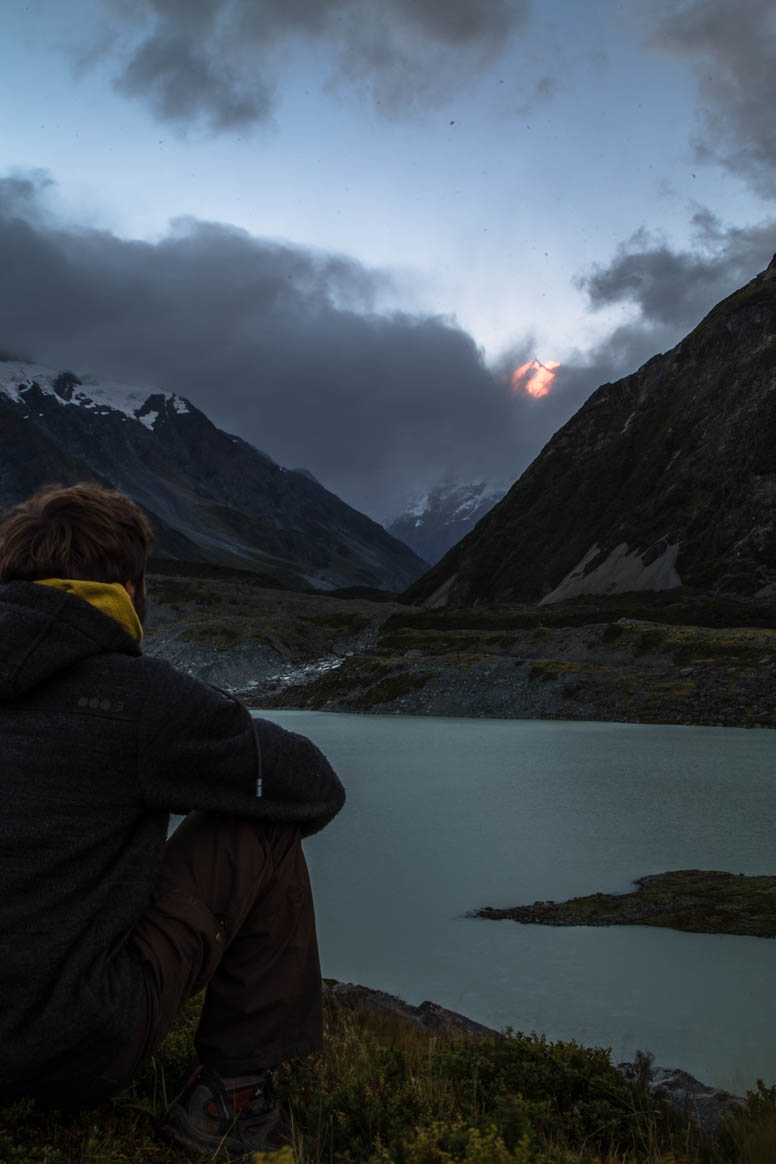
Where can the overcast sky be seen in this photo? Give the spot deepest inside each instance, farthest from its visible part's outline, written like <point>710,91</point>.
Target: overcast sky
<point>339,225</point>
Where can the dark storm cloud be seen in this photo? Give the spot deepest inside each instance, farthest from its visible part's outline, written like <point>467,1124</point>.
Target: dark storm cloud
<point>275,343</point>
<point>675,289</point>
<point>671,290</point>
<point>217,62</point>
<point>21,195</point>
<point>285,346</point>
<point>732,48</point>
<point>182,83</point>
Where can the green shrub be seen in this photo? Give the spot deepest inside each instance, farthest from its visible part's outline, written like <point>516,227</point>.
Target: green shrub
<point>650,641</point>
<point>748,1136</point>
<point>383,1092</point>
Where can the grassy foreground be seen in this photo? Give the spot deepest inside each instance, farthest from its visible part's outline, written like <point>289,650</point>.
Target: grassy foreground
<point>388,1094</point>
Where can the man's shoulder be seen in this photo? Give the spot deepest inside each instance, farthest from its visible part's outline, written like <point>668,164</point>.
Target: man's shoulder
<point>146,680</point>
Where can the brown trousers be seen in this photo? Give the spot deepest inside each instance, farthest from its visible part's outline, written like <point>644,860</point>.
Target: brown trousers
<point>232,912</point>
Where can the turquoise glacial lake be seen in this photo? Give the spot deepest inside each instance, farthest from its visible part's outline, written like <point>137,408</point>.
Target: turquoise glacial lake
<point>446,815</point>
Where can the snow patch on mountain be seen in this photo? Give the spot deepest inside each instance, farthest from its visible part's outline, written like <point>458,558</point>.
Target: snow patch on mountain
<point>211,496</point>
<point>418,508</point>
<point>441,516</point>
<point>17,378</point>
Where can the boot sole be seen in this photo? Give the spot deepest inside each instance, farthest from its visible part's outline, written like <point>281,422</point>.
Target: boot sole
<point>178,1130</point>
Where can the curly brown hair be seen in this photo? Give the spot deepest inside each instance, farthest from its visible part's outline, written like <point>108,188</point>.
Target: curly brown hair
<point>79,531</point>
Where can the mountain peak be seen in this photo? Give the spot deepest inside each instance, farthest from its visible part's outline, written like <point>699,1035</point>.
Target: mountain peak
<point>442,515</point>
<point>211,496</point>
<point>20,380</point>
<point>664,478</point>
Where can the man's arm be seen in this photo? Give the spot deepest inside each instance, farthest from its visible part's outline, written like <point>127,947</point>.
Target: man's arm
<point>201,749</point>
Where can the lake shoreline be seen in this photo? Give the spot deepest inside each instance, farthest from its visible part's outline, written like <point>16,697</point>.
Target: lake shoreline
<point>705,1106</point>
<point>445,816</point>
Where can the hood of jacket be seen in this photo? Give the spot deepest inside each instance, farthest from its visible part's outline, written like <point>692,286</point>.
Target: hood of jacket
<point>45,630</point>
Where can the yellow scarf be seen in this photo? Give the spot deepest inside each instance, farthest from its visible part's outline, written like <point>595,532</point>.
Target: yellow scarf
<point>109,597</point>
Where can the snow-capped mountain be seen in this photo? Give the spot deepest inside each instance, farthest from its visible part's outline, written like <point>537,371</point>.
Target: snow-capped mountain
<point>442,516</point>
<point>211,496</point>
<point>18,380</point>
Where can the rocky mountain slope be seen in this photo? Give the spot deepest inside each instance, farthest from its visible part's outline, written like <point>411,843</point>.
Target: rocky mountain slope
<point>666,478</point>
<point>210,496</point>
<point>440,518</point>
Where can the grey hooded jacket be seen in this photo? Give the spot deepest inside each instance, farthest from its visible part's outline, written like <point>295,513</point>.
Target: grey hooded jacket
<point>98,744</point>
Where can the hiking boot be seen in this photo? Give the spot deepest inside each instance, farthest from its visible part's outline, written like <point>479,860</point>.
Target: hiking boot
<point>212,1119</point>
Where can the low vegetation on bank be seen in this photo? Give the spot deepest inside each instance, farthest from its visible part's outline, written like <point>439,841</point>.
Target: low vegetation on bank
<point>670,657</point>
<point>633,658</point>
<point>694,900</point>
<point>386,1093</point>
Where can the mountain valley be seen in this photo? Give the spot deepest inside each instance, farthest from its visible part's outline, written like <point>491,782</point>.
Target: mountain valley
<point>629,575</point>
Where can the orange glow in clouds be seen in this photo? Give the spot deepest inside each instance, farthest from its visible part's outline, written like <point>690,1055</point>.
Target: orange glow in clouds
<point>534,378</point>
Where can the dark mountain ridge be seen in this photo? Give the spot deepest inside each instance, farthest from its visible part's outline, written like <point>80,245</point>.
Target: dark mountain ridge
<point>666,478</point>
<point>211,496</point>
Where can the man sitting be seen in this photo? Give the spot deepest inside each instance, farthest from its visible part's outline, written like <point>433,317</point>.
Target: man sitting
<point>106,928</point>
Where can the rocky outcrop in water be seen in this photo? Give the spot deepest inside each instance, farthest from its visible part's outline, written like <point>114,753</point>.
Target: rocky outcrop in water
<point>697,901</point>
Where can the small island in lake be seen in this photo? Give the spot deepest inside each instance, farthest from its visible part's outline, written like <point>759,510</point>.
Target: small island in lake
<point>697,900</point>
